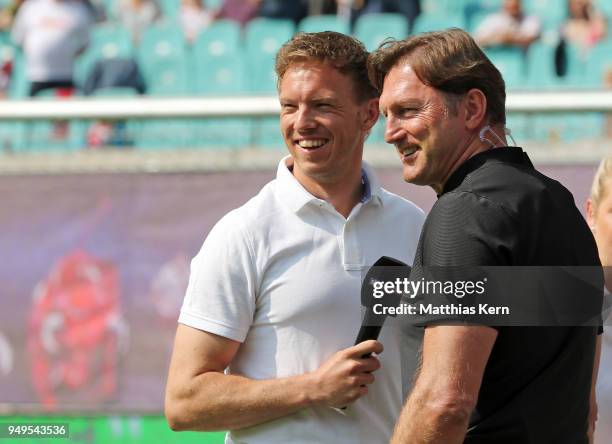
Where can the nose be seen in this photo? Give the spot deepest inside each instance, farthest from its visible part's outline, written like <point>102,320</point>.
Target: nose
<point>393,131</point>
<point>305,119</point>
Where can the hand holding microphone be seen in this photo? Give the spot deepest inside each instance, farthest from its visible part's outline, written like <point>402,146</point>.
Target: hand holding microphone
<point>345,376</point>
<point>356,364</point>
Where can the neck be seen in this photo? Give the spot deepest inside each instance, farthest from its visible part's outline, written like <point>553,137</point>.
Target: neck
<point>343,194</point>
<point>473,146</point>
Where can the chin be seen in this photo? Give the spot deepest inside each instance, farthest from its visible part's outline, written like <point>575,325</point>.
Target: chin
<point>411,176</point>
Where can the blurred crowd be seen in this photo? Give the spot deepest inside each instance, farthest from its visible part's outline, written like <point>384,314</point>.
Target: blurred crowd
<point>53,33</point>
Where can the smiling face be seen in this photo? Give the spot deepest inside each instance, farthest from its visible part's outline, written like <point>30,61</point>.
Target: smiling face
<point>323,123</point>
<point>429,136</point>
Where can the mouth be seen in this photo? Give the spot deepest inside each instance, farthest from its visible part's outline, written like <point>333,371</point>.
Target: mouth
<point>408,153</point>
<point>311,144</point>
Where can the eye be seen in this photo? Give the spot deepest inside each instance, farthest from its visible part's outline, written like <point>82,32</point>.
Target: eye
<point>287,106</point>
<point>408,111</point>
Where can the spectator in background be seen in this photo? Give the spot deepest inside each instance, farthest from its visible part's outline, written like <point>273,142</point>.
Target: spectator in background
<point>294,10</point>
<point>408,8</point>
<point>320,7</point>
<point>137,15</point>
<point>194,17</point>
<point>241,11</point>
<point>584,26</point>
<point>508,27</point>
<point>52,33</point>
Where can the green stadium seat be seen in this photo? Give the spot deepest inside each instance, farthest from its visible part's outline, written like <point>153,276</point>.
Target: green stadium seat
<point>435,22</point>
<point>568,127</point>
<point>222,132</point>
<point>221,76</point>
<point>162,134</point>
<point>541,67</point>
<point>476,20</point>
<point>511,63</point>
<point>170,8</point>
<point>111,9</point>
<point>19,87</point>
<point>5,38</point>
<point>265,36</point>
<point>161,41</point>
<point>377,135</point>
<point>551,13</point>
<point>267,134</point>
<point>444,7</point>
<point>318,23</point>
<point>262,76</point>
<point>163,61</point>
<point>219,39</point>
<point>12,136</point>
<point>110,40</point>
<point>518,124</point>
<point>224,75</point>
<point>605,6</point>
<point>167,78</point>
<point>373,29</point>
<point>107,41</point>
<point>598,65</point>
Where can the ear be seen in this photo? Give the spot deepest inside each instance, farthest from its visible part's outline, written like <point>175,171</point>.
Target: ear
<point>475,106</point>
<point>370,113</point>
<point>590,213</point>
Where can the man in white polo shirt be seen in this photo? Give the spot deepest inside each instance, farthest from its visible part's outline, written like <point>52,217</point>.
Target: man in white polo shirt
<point>264,342</point>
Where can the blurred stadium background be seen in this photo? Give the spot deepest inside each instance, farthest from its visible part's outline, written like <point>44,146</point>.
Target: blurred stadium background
<point>107,192</point>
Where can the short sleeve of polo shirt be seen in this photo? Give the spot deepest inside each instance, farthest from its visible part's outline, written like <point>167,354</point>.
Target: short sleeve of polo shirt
<point>221,294</point>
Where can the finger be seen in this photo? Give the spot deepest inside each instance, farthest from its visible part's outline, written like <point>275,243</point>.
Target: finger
<point>365,379</point>
<point>365,347</point>
<point>370,364</point>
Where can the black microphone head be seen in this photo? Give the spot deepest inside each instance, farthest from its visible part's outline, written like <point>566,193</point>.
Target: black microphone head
<point>385,269</point>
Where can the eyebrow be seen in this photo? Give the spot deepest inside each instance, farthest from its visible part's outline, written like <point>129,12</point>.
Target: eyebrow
<point>408,103</point>
<point>328,99</point>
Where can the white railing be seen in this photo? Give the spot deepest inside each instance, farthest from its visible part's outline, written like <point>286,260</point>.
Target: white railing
<point>149,107</point>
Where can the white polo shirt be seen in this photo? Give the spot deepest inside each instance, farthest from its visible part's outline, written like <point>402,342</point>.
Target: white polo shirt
<point>282,275</point>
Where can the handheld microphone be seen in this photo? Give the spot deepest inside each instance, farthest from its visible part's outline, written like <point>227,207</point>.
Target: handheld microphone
<point>384,269</point>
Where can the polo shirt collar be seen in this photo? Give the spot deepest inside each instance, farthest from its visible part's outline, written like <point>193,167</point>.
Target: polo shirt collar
<point>508,154</point>
<point>296,196</point>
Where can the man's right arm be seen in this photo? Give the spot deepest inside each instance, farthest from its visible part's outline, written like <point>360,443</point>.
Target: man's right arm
<point>200,396</point>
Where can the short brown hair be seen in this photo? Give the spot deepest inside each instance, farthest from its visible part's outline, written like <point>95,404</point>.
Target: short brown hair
<point>449,61</point>
<point>344,53</point>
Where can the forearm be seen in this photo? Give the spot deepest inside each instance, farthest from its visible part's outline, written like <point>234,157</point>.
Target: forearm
<point>217,401</point>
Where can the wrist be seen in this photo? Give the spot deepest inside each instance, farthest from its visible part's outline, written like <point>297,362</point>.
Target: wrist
<point>309,389</point>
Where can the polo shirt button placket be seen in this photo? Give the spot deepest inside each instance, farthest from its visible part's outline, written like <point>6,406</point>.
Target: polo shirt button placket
<point>352,252</point>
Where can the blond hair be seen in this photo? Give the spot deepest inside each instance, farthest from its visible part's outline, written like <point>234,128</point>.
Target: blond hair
<point>603,175</point>
<point>344,53</point>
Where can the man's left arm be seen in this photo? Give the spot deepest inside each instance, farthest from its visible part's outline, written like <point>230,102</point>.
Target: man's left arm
<point>446,390</point>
